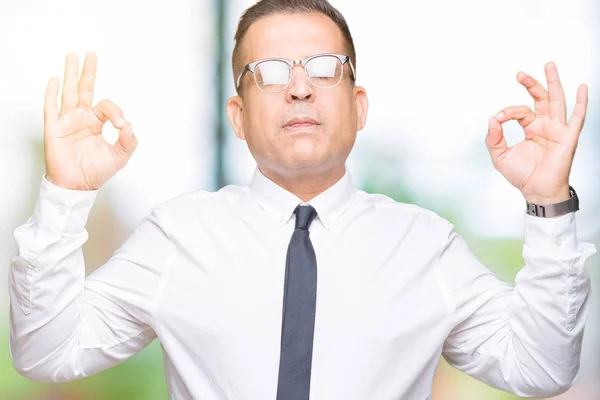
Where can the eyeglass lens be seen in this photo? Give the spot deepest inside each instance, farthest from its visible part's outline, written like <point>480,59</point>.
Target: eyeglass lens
<point>322,72</point>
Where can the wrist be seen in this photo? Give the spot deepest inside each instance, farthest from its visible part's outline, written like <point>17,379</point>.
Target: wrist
<point>553,209</point>
<point>66,186</point>
<point>561,196</point>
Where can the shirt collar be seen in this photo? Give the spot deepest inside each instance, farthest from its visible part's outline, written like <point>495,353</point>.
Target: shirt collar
<point>280,203</point>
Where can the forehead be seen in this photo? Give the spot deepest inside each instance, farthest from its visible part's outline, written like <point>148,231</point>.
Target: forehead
<point>292,36</point>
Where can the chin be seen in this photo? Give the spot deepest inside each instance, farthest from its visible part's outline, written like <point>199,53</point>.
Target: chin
<point>305,160</point>
<point>306,148</point>
<point>308,162</point>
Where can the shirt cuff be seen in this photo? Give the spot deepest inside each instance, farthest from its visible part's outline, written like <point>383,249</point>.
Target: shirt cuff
<point>63,209</point>
<point>544,233</point>
<point>553,249</point>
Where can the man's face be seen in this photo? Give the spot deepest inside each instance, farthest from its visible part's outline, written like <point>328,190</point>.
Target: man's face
<point>265,120</point>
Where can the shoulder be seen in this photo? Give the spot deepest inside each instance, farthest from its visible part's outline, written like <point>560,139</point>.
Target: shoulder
<point>201,204</point>
<point>397,213</point>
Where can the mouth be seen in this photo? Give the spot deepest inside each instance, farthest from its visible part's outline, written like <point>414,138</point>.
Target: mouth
<point>301,124</point>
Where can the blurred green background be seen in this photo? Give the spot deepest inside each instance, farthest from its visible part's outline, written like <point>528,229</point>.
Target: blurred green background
<point>434,71</point>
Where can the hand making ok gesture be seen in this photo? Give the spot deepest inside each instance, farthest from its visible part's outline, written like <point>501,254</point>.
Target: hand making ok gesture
<point>539,166</point>
<point>76,155</point>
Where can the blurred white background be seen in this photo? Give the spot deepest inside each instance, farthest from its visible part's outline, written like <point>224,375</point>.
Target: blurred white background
<point>435,71</point>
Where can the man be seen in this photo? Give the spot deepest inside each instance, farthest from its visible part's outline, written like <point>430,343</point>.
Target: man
<point>299,286</point>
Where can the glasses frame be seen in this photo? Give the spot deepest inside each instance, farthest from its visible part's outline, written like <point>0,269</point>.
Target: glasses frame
<point>252,66</point>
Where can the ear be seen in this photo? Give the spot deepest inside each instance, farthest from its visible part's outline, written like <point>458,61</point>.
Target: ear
<point>362,106</point>
<point>235,113</point>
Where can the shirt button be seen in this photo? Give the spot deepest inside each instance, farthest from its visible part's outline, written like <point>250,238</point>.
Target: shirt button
<point>34,261</point>
<point>558,241</point>
<point>61,210</point>
<point>573,270</point>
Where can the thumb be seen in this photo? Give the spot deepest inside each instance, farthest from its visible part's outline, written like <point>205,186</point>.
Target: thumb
<point>495,141</point>
<point>125,145</point>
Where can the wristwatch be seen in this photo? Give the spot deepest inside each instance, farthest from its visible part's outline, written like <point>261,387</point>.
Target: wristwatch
<point>554,210</point>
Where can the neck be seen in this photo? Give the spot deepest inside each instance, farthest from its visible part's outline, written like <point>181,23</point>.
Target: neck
<point>305,185</point>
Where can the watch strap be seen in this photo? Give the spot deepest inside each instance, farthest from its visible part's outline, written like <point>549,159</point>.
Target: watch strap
<point>554,210</point>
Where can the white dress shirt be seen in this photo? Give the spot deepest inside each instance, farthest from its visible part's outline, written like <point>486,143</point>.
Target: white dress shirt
<point>204,273</point>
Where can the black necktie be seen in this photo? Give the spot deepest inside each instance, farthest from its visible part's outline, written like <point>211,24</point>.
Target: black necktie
<point>298,322</point>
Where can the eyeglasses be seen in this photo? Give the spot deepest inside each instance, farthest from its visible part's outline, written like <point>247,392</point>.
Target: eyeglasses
<point>273,75</point>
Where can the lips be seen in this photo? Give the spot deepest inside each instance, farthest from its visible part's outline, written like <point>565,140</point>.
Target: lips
<point>299,123</point>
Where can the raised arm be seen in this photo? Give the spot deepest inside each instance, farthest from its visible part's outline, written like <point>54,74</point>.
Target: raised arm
<point>65,326</point>
<point>526,339</point>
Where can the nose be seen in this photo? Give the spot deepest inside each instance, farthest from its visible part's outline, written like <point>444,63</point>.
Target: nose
<point>299,88</point>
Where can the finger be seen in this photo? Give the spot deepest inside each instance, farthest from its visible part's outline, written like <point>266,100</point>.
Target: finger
<point>51,101</point>
<point>495,141</point>
<point>69,94</point>
<point>537,91</point>
<point>125,145</point>
<point>558,106</point>
<point>522,114</point>
<point>107,110</point>
<point>86,83</point>
<point>580,110</point>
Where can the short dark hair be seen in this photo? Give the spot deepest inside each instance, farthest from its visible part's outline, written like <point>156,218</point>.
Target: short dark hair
<point>265,8</point>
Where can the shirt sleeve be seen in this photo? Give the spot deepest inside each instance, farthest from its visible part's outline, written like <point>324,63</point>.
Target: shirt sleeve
<point>64,326</point>
<point>524,339</point>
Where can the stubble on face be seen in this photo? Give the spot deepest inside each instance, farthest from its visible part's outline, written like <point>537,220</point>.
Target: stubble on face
<point>271,140</point>
<point>305,157</point>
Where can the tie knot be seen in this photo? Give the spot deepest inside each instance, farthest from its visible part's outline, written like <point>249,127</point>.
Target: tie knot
<point>304,216</point>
